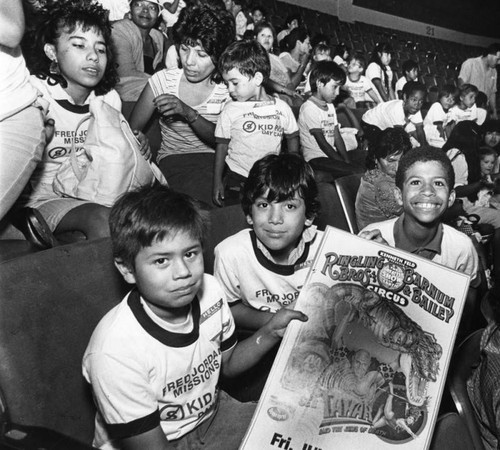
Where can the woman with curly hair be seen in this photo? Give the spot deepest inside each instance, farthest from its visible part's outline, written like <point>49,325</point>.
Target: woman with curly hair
<point>189,101</point>
<point>68,54</point>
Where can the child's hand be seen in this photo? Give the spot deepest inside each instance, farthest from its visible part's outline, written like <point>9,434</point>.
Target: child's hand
<point>218,193</point>
<point>373,235</point>
<point>277,325</point>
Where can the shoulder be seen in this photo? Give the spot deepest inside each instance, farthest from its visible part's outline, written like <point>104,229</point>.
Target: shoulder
<point>456,239</point>
<point>232,244</point>
<point>123,25</point>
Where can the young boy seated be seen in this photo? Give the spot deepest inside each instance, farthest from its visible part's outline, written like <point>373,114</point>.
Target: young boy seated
<point>154,360</point>
<point>252,124</point>
<point>398,113</point>
<point>424,181</point>
<point>362,90</point>
<point>410,73</point>
<point>321,143</point>
<point>262,269</point>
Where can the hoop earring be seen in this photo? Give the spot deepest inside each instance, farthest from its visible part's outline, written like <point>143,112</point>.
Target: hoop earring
<point>54,68</point>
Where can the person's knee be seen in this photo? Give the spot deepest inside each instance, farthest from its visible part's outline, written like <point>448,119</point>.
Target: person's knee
<point>97,225</point>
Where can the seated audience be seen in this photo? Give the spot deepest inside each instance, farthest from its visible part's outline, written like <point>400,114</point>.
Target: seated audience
<point>361,89</point>
<point>292,21</point>
<point>376,199</point>
<point>410,73</point>
<point>296,56</point>
<point>262,269</point>
<point>379,71</point>
<point>138,48</point>
<point>437,121</point>
<point>189,101</point>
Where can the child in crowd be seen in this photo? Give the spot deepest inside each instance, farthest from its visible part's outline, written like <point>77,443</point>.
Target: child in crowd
<point>71,63</point>
<point>258,15</point>
<point>154,360</point>
<point>465,107</point>
<point>410,73</point>
<point>320,139</point>
<point>340,55</point>
<point>482,107</point>
<point>487,162</point>
<point>360,87</point>
<point>320,52</point>
<point>253,123</point>
<point>379,71</point>
<point>425,181</point>
<point>437,124</point>
<point>398,113</point>
<point>262,269</point>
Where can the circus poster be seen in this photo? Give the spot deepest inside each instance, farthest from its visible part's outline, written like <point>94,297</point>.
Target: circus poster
<point>367,370</point>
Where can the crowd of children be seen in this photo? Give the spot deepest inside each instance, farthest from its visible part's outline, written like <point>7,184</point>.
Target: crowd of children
<point>239,123</point>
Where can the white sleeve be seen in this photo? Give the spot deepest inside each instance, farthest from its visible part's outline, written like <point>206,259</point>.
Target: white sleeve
<point>223,271</point>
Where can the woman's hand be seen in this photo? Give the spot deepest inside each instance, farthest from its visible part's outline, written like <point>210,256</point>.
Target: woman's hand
<point>218,193</point>
<point>145,148</point>
<point>169,105</point>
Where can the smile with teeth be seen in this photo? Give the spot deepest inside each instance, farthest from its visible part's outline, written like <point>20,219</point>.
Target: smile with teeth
<point>423,205</point>
<point>91,71</point>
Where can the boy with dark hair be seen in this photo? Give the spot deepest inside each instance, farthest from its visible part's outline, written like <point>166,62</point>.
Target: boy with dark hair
<point>262,269</point>
<point>253,123</point>
<point>362,90</point>
<point>154,360</point>
<point>398,113</point>
<point>424,181</point>
<point>410,73</point>
<point>322,144</point>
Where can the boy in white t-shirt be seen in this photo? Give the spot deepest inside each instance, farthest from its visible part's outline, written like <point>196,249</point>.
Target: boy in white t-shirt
<point>252,124</point>
<point>321,143</point>
<point>410,73</point>
<point>154,360</point>
<point>262,268</point>
<point>360,87</point>
<point>437,121</point>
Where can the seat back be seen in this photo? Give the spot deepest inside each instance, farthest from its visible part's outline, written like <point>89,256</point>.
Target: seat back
<point>451,432</point>
<point>224,222</point>
<point>50,303</point>
<point>347,188</point>
<point>465,358</point>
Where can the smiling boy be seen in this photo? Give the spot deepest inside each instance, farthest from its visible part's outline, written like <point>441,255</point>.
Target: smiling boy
<point>252,124</point>
<point>262,269</point>
<point>424,181</point>
<point>154,360</point>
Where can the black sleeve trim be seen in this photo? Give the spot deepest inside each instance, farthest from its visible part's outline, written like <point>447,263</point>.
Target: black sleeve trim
<point>134,428</point>
<point>229,342</point>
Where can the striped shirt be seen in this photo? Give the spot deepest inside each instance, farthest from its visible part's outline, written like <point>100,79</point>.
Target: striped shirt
<point>177,137</point>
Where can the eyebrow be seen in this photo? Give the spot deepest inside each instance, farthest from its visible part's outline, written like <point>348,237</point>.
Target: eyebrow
<point>85,39</point>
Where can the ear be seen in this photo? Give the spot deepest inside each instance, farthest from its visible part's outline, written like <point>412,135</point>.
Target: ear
<point>319,84</point>
<point>50,51</point>
<point>127,272</point>
<point>309,221</point>
<point>399,196</point>
<point>451,198</point>
<point>258,78</point>
<point>249,219</point>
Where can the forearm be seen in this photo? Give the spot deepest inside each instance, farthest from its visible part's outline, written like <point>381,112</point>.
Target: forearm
<point>279,88</point>
<point>203,128</point>
<point>248,317</point>
<point>340,145</point>
<point>420,134</point>
<point>293,145</point>
<point>220,158</point>
<point>11,23</point>
<point>143,109</point>
<point>296,78</point>
<point>469,189</point>
<point>373,96</point>
<point>378,84</point>
<point>493,104</point>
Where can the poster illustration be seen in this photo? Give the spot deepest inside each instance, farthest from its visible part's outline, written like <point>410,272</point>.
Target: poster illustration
<point>368,368</point>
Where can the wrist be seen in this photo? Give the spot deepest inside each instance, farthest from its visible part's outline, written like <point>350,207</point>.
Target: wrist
<point>192,116</point>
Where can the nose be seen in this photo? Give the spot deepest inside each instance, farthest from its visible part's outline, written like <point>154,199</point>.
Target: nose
<point>93,55</point>
<point>428,189</point>
<point>190,57</point>
<point>275,214</point>
<point>180,269</point>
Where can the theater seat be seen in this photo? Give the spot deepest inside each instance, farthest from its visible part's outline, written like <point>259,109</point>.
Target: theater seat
<point>50,302</point>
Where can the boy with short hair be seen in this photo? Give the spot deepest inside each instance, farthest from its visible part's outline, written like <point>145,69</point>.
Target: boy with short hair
<point>154,360</point>
<point>360,87</point>
<point>321,143</point>
<point>253,123</point>
<point>262,269</point>
<point>424,181</point>
<point>410,73</point>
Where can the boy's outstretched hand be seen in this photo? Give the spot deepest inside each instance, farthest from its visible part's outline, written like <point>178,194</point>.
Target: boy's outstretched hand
<point>373,235</point>
<point>277,325</point>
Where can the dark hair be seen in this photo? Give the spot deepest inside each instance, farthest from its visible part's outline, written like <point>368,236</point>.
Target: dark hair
<point>324,71</point>
<point>359,57</point>
<point>207,26</point>
<point>283,175</point>
<point>340,49</point>
<point>259,8</point>
<point>486,151</point>
<point>448,89</point>
<point>382,47</point>
<point>413,86</point>
<point>490,126</point>
<point>492,49</point>
<point>321,48</point>
<point>409,65</point>
<point>297,34</point>
<point>391,141</point>
<point>150,213</point>
<point>466,137</point>
<point>291,17</point>
<point>59,16</point>
<point>424,154</point>
<point>249,57</point>
<point>320,38</point>
<point>481,99</point>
